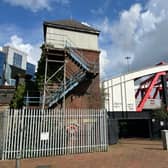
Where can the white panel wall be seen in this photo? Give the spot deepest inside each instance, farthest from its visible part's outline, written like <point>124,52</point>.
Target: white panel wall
<point>121,97</point>
<point>145,72</point>
<point>119,94</point>
<point>10,53</point>
<point>130,98</point>
<point>78,39</point>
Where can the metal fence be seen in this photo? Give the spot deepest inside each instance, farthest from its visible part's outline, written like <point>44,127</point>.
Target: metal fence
<point>37,133</point>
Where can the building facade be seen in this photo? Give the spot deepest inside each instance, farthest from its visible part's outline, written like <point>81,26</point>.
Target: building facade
<point>30,69</point>
<point>14,63</point>
<point>2,66</point>
<point>77,46</point>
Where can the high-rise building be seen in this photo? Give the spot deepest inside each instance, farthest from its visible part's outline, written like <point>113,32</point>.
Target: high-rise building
<point>13,63</point>
<point>2,66</point>
<point>30,69</point>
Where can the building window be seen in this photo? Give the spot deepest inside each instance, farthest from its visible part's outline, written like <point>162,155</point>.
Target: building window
<point>30,69</point>
<point>17,60</point>
<point>2,66</point>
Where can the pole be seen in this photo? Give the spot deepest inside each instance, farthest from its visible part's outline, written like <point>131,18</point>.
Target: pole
<point>27,99</point>
<point>17,162</point>
<point>19,154</point>
<point>45,78</point>
<point>127,58</point>
<point>164,92</point>
<point>64,104</point>
<point>63,111</point>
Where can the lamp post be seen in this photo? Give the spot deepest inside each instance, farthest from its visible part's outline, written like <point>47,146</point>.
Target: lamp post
<point>128,58</point>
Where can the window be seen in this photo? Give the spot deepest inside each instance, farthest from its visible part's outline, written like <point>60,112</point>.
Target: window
<point>17,60</point>
<point>2,63</point>
<point>30,69</point>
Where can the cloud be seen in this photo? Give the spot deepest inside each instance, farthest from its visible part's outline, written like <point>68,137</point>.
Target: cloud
<point>86,24</point>
<point>17,37</point>
<point>140,33</point>
<point>6,31</point>
<point>35,5</point>
<point>123,31</point>
<point>104,62</point>
<point>33,51</point>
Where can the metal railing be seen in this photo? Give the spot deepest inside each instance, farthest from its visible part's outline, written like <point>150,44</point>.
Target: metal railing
<point>72,82</point>
<point>63,41</point>
<point>32,133</point>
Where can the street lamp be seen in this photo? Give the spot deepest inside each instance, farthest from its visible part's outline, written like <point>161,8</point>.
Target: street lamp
<point>128,58</point>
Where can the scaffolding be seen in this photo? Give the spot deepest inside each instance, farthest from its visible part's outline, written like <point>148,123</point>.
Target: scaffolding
<point>47,78</point>
<point>62,51</point>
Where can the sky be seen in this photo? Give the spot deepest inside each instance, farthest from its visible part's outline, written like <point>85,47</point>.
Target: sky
<point>137,29</point>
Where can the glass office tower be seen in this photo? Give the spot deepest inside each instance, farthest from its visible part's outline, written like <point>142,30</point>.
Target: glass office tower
<point>2,67</point>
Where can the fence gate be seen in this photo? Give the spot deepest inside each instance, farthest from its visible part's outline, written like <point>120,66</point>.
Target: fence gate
<point>37,133</point>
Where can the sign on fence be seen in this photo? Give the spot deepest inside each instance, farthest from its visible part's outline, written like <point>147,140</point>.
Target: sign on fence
<point>37,133</point>
<point>44,136</point>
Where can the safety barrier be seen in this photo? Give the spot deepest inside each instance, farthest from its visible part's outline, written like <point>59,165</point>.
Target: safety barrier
<point>31,133</point>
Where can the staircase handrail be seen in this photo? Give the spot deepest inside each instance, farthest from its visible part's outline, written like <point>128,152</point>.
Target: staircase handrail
<point>75,78</point>
<point>72,47</point>
<point>65,42</point>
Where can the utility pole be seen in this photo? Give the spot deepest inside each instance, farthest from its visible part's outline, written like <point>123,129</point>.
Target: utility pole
<point>128,65</point>
<point>64,80</point>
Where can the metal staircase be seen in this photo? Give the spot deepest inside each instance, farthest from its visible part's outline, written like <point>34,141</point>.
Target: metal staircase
<point>71,83</point>
<point>73,79</point>
<point>78,58</point>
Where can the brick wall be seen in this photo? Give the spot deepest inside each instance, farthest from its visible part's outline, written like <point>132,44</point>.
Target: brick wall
<point>87,94</point>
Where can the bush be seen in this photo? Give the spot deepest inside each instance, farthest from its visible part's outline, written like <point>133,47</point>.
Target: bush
<point>17,101</point>
<point>161,114</point>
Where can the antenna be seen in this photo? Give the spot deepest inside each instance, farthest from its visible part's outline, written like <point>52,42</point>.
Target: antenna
<point>128,58</point>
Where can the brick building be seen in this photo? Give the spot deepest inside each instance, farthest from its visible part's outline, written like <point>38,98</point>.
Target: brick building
<point>73,48</point>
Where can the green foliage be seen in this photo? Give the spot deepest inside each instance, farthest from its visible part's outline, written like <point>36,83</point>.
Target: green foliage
<point>18,98</point>
<point>51,69</point>
<point>161,114</point>
<point>40,72</point>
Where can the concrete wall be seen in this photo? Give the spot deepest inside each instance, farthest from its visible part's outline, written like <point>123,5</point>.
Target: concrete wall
<point>59,37</point>
<point>6,94</point>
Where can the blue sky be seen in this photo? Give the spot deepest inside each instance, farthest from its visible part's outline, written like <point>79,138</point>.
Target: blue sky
<point>134,28</point>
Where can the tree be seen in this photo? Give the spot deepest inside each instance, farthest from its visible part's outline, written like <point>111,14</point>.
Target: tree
<point>17,101</point>
<point>51,69</point>
<point>161,114</point>
<point>40,72</point>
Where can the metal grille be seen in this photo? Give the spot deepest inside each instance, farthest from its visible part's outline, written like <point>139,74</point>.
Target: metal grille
<point>36,133</point>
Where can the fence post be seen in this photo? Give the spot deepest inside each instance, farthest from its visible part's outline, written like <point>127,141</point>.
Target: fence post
<point>18,158</point>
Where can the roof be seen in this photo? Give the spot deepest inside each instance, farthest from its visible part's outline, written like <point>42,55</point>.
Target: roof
<point>72,25</point>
